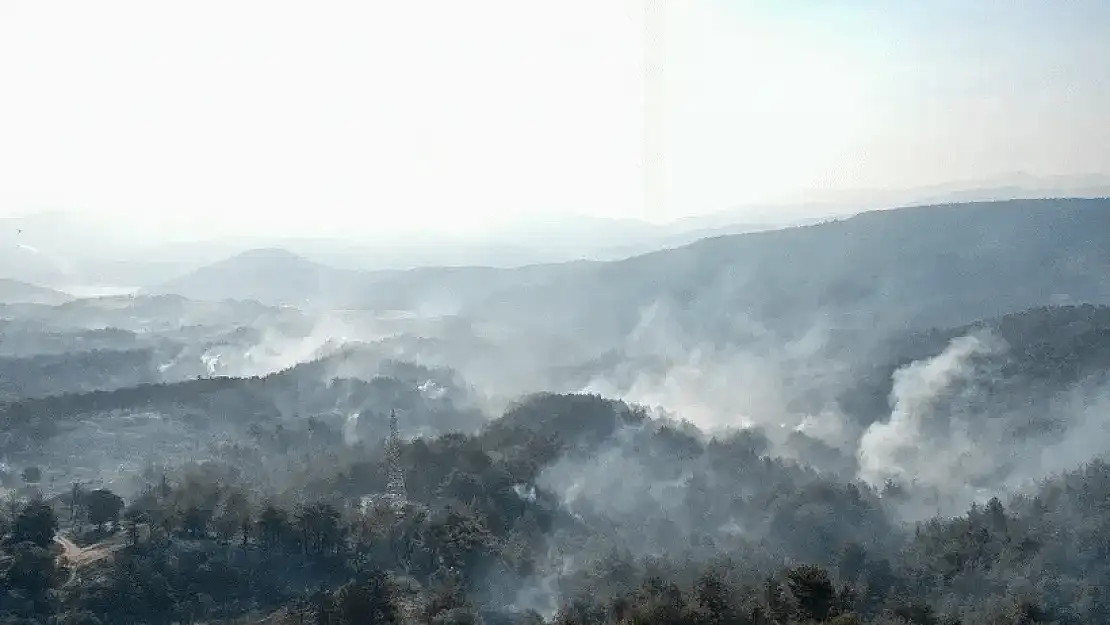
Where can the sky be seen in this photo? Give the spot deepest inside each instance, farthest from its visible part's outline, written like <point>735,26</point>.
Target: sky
<point>274,117</point>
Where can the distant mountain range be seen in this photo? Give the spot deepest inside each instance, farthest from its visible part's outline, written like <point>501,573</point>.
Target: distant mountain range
<point>280,277</point>
<point>923,266</point>
<point>61,250</point>
<point>1012,186</point>
<point>58,249</point>
<point>884,270</point>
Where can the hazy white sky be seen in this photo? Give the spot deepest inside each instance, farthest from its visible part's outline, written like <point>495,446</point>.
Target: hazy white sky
<point>334,117</point>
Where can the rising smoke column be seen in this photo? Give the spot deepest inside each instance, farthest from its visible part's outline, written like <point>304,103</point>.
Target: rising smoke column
<point>210,362</point>
<point>908,446</point>
<point>350,430</point>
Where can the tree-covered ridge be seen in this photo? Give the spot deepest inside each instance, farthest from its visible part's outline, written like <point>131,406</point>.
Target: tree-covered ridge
<point>306,390</point>
<point>1044,349</point>
<point>22,338</point>
<point>490,534</point>
<point>567,508</point>
<point>881,271</point>
<point>53,374</point>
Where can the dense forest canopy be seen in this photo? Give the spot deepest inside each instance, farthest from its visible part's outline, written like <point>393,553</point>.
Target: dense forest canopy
<point>502,527</point>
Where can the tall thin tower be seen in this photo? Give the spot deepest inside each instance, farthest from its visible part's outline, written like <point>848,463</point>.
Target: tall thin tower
<point>395,484</point>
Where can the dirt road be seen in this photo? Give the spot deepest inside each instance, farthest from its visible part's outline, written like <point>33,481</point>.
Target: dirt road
<point>77,557</point>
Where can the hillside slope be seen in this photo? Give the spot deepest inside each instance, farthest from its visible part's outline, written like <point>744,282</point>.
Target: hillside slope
<point>936,266</point>
<point>16,292</point>
<point>914,267</point>
<point>271,276</point>
<point>1032,354</point>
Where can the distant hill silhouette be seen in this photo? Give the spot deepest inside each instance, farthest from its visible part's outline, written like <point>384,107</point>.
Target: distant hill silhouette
<point>16,292</point>
<point>933,266</point>
<point>920,267</point>
<point>273,276</point>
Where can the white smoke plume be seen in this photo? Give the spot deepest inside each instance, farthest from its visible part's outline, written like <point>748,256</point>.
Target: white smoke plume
<point>914,444</point>
<point>1087,409</point>
<point>211,362</point>
<point>754,380</point>
<point>281,347</point>
<point>525,492</point>
<point>350,430</point>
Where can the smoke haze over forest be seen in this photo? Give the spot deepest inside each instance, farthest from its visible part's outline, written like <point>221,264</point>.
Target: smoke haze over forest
<point>499,313</point>
<point>820,413</point>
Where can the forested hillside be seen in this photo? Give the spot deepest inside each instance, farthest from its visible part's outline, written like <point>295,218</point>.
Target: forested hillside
<point>491,534</point>
<point>922,266</point>
<point>1035,352</point>
<point>855,422</point>
<point>882,271</point>
<point>563,313</point>
<point>52,374</point>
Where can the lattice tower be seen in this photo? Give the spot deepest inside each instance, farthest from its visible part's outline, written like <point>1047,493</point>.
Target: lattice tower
<point>395,485</point>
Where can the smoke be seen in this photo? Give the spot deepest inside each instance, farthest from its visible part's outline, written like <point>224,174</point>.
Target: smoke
<point>54,261</point>
<point>541,592</point>
<point>278,350</point>
<point>211,362</point>
<point>525,492</point>
<point>350,430</point>
<point>613,478</point>
<point>280,346</point>
<point>748,377</point>
<point>431,390</point>
<point>960,432</point>
<point>964,425</point>
<point>830,427</point>
<point>650,484</point>
<point>1087,436</point>
<point>960,428</point>
<point>912,444</point>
